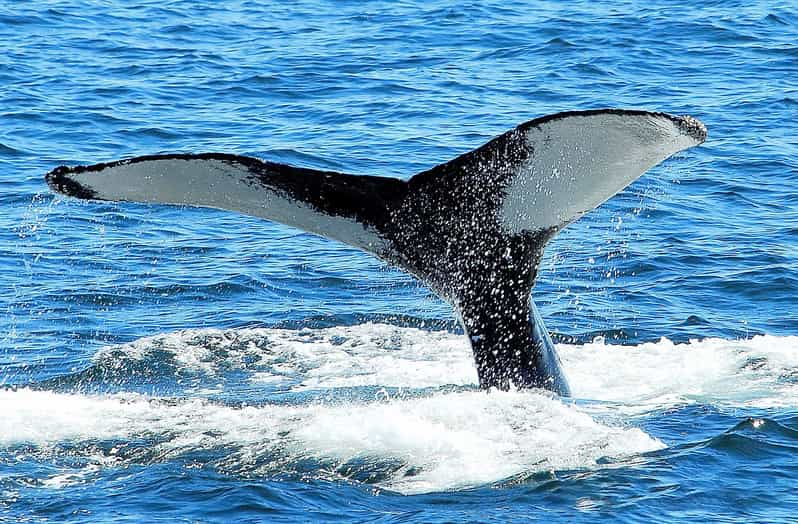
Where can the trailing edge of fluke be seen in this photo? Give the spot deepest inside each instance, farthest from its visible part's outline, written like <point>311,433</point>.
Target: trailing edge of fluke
<point>472,229</point>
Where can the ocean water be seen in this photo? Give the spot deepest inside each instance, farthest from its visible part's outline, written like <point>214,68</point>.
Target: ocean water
<point>162,364</point>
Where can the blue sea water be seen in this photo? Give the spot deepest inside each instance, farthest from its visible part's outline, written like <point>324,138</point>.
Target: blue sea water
<point>164,364</point>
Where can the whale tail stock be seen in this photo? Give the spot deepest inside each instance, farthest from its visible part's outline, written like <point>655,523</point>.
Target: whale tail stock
<point>473,229</point>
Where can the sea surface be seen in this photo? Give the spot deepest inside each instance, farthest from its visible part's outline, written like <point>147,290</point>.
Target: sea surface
<point>164,364</point>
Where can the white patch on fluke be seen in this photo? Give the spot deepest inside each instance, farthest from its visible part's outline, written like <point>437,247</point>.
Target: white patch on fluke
<point>219,184</point>
<point>580,161</point>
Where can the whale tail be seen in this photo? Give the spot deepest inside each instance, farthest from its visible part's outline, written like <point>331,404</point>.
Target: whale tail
<point>473,229</point>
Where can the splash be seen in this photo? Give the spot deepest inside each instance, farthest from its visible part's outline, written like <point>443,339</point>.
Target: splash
<point>759,372</point>
<point>762,371</point>
<point>440,442</point>
<point>393,407</point>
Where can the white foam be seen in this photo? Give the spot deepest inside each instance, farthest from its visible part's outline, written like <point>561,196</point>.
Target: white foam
<point>465,439</point>
<point>442,440</point>
<point>652,375</point>
<point>761,372</point>
<point>447,441</point>
<point>362,355</point>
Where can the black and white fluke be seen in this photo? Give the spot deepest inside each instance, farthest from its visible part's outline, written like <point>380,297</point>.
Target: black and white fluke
<point>473,229</point>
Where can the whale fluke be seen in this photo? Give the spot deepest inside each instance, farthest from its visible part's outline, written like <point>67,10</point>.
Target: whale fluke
<point>473,229</point>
